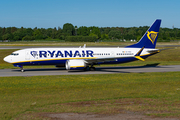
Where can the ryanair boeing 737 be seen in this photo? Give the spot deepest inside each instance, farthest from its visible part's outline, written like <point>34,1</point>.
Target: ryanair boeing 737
<point>82,58</point>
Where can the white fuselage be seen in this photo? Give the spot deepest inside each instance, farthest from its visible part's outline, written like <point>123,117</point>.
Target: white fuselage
<point>51,54</point>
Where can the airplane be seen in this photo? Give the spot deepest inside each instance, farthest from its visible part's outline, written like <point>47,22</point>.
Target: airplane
<point>86,57</point>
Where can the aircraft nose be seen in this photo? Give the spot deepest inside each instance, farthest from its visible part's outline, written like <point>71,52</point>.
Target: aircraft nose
<point>7,59</point>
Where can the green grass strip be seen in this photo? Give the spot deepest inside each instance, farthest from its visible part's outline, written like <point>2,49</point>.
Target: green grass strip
<point>20,96</point>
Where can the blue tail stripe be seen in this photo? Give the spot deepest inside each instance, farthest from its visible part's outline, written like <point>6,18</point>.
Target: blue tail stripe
<point>150,37</point>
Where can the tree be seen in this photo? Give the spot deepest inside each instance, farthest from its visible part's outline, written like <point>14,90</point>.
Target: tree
<point>83,31</point>
<point>104,33</point>
<point>1,30</point>
<point>16,38</point>
<point>49,32</point>
<point>27,37</point>
<point>54,32</point>
<point>37,34</point>
<point>138,37</point>
<point>132,33</point>
<point>68,29</point>
<point>8,30</point>
<point>6,36</point>
<point>115,34</point>
<point>104,36</point>
<point>28,31</point>
<point>59,34</point>
<point>18,35</point>
<point>44,33</point>
<point>95,30</point>
<point>93,35</point>
<point>35,28</point>
<point>13,29</point>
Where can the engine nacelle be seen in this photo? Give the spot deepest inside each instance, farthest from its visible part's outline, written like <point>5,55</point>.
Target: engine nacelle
<point>75,64</point>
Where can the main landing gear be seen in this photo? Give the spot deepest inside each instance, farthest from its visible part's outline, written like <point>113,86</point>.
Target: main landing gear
<point>92,68</point>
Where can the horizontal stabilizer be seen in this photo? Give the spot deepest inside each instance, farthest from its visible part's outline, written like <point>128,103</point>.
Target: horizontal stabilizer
<point>153,51</point>
<point>138,57</point>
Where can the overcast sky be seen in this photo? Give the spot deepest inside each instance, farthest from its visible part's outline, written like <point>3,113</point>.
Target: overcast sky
<point>101,13</point>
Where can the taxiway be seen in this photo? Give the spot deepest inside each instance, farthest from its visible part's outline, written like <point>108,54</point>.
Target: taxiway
<point>99,70</point>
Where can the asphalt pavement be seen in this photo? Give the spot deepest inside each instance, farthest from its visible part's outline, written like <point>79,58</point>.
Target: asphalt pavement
<point>99,70</point>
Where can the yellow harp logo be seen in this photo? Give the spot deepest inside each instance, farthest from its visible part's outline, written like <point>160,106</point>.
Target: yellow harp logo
<point>152,36</point>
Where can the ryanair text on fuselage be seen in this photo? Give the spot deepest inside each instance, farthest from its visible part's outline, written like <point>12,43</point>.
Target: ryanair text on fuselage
<point>65,53</point>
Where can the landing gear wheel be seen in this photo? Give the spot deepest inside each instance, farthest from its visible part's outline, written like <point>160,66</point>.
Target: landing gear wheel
<point>92,68</point>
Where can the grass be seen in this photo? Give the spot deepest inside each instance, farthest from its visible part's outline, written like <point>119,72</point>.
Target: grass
<point>154,94</point>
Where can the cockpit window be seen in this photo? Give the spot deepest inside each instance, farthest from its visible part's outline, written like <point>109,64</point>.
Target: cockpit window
<point>15,54</point>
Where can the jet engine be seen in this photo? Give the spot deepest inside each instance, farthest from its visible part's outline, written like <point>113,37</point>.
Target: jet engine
<point>75,64</point>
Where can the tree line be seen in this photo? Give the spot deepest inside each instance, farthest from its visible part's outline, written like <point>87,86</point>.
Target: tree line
<point>84,34</point>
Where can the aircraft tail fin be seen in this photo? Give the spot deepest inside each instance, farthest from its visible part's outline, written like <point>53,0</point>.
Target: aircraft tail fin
<point>149,39</point>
